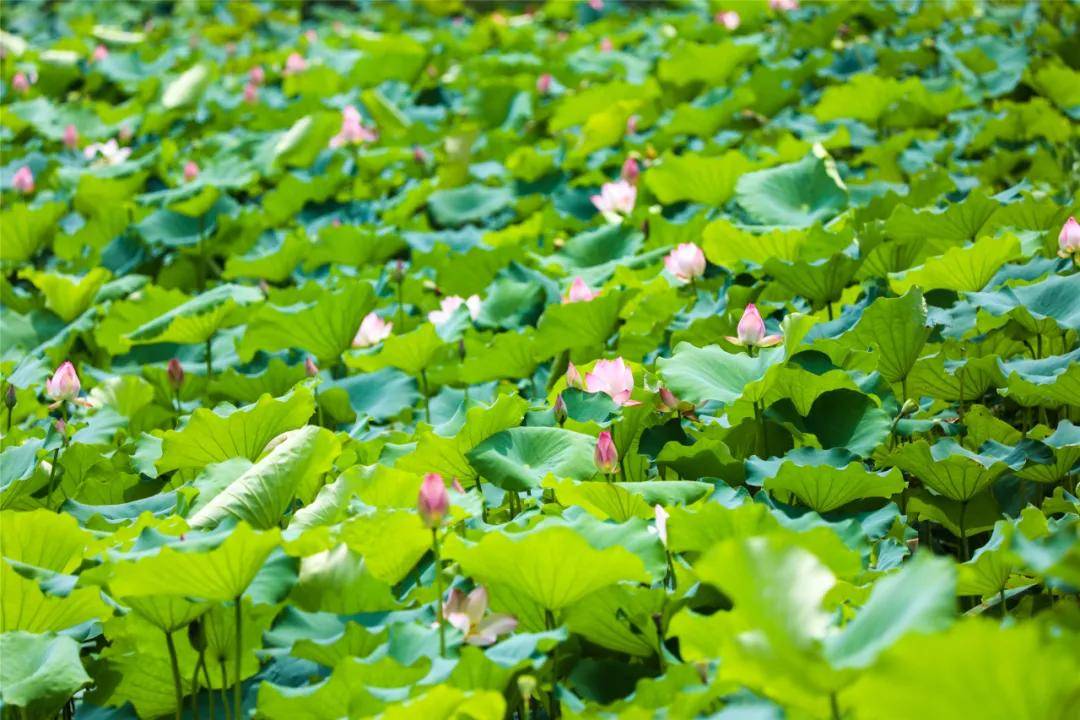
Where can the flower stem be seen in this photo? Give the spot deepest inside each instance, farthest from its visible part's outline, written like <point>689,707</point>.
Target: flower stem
<point>427,401</point>
<point>835,705</point>
<point>195,686</point>
<point>224,685</point>
<point>965,553</point>
<point>439,590</point>
<point>238,700</point>
<point>175,674</point>
<point>209,357</point>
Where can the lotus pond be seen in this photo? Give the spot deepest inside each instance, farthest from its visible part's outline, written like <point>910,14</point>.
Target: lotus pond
<point>700,359</point>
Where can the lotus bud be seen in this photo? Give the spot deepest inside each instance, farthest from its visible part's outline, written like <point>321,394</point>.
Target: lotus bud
<point>596,5</point>
<point>295,63</point>
<point>100,53</point>
<point>573,377</point>
<point>251,93</point>
<point>908,408</point>
<point>729,19</point>
<point>751,330</point>
<point>631,124</point>
<point>606,45</point>
<point>1069,238</point>
<point>19,83</point>
<point>60,425</point>
<point>526,686</point>
<point>543,84</point>
<point>197,635</point>
<point>433,501</point>
<point>560,410</point>
<point>23,180</point>
<point>9,397</point>
<point>257,75</point>
<point>64,385</point>
<point>606,456</point>
<point>418,155</point>
<point>630,170</point>
<point>176,374</point>
<point>71,137</point>
<point>191,171</point>
<point>398,271</point>
<point>310,368</point>
<point>685,262</point>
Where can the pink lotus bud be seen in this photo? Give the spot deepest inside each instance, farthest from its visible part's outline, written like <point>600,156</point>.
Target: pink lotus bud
<point>23,180</point>
<point>455,484</point>
<point>251,93</point>
<point>373,330</point>
<point>64,384</point>
<point>615,201</point>
<point>630,170</point>
<point>60,425</point>
<point>784,5</point>
<point>191,171</point>
<point>10,398</point>
<point>19,83</point>
<point>560,409</point>
<point>751,330</point>
<point>661,516</point>
<point>729,19</point>
<point>100,53</point>
<point>612,377</point>
<point>1069,238</point>
<point>433,501</point>
<point>685,262</point>
<point>543,84</point>
<point>596,5</point>
<point>71,137</point>
<point>295,63</point>
<point>310,368</point>
<point>176,374</point>
<point>256,75</point>
<point>311,35</point>
<point>573,377</point>
<point>606,456</point>
<point>418,155</point>
<point>579,292</point>
<point>667,402</point>
<point>631,124</point>
<point>605,45</point>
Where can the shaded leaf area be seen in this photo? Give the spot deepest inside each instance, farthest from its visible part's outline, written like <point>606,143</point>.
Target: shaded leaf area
<point>524,361</point>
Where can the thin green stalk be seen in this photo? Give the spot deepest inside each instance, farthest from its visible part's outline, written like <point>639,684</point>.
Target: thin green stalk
<point>553,703</point>
<point>52,475</point>
<point>195,687</point>
<point>1004,606</point>
<point>835,704</point>
<point>401,304</point>
<point>209,689</point>
<point>965,553</point>
<point>238,699</point>
<point>427,400</point>
<point>177,686</point>
<point>209,357</point>
<point>828,306</point>
<point>224,685</point>
<point>439,590</point>
<point>10,410</point>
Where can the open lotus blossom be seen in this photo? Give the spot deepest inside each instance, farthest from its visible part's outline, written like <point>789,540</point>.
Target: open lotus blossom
<point>573,377</point>
<point>685,262</point>
<point>23,180</point>
<point>64,385</point>
<point>100,53</point>
<point>111,153</point>
<point>251,93</point>
<point>630,170</point>
<point>373,330</point>
<point>467,614</point>
<point>191,171</point>
<point>729,19</point>
<point>352,130</point>
<point>606,455</point>
<point>433,502</point>
<point>449,304</point>
<point>1069,238</point>
<point>71,137</point>
<point>661,515</point>
<point>295,63</point>
<point>543,84</point>
<point>616,200</point>
<point>257,75</point>
<point>20,83</point>
<point>579,292</point>
<point>176,374</point>
<point>612,377</point>
<point>751,330</point>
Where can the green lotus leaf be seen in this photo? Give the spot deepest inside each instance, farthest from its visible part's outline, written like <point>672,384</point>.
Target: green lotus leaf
<point>708,180</point>
<point>339,581</point>
<point>711,64</point>
<point>711,373</point>
<point>343,694</point>
<point>959,268</point>
<point>897,327</point>
<point>467,204</point>
<point>40,672</point>
<point>168,613</point>
<point>43,539</point>
<point>988,571</point>
<point>26,230</point>
<point>798,194</point>
<point>412,352</point>
<point>520,458</point>
<point>1064,444</point>
<point>67,295</point>
<point>1053,381</point>
<point>619,618</point>
<point>728,245</point>
<point>577,325</point>
<point>445,702</point>
<point>197,319</point>
<point>28,607</point>
<point>391,542</point>
<point>824,488</point>
<point>938,376</point>
<point>353,641</point>
<point>948,468</point>
<point>1041,307</point>
<point>821,281</point>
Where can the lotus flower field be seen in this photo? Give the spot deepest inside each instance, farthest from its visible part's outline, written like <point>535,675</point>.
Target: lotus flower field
<point>533,360</point>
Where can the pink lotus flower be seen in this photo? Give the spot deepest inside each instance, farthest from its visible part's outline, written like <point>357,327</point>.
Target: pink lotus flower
<point>466,613</point>
<point>579,292</point>
<point>19,83</point>
<point>606,455</point>
<point>685,262</point>
<point>630,170</point>
<point>616,200</point>
<point>418,155</point>
<point>100,53</point>
<point>176,374</point>
<point>666,401</point>
<point>543,84</point>
<point>573,377</point>
<point>612,377</point>
<point>596,5</point>
<point>191,171</point>
<point>631,124</point>
<point>751,330</point>
<point>373,330</point>
<point>729,19</point>
<point>310,368</point>
<point>71,137</point>
<point>605,45</point>
<point>251,93</point>
<point>661,515</point>
<point>433,501</point>
<point>23,180</point>
<point>352,131</point>
<point>1069,238</point>
<point>449,304</point>
<point>311,35</point>
<point>110,152</point>
<point>256,75</point>
<point>295,63</point>
<point>64,385</point>
<point>784,5</point>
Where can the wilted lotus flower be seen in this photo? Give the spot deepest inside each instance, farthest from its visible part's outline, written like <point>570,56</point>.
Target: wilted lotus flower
<point>630,170</point>
<point>573,377</point>
<point>251,93</point>
<point>543,84</point>
<point>100,53</point>
<point>257,75</point>
<point>352,131</point>
<point>176,374</point>
<point>751,330</point>
<point>685,262</point>
<point>191,171</point>
<point>612,377</point>
<point>661,516</point>
<point>295,63</point>
<point>71,137</point>
<point>23,180</point>
<point>466,613</point>
<point>433,501</point>
<point>64,385</point>
<point>110,152</point>
<point>579,292</point>
<point>310,368</point>
<point>20,83</point>
<point>1069,238</point>
<point>373,330</point>
<point>616,200</point>
<point>449,304</point>
<point>729,19</point>
<point>606,456</point>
